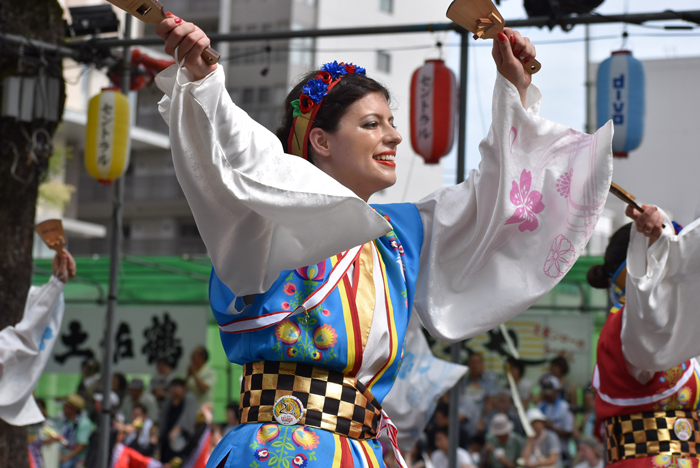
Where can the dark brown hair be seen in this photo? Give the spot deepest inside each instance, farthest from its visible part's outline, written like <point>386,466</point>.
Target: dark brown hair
<point>600,276</point>
<point>334,105</point>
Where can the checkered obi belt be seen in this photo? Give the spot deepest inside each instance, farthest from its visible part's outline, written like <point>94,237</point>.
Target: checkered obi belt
<point>296,393</point>
<point>652,433</point>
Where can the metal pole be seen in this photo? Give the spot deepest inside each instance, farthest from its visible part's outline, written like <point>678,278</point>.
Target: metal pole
<point>115,256</point>
<point>588,126</point>
<point>224,28</point>
<point>455,349</point>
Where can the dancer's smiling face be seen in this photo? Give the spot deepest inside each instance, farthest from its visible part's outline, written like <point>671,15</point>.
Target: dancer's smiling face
<point>360,153</point>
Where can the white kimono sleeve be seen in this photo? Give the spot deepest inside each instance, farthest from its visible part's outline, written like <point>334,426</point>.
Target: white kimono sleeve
<point>258,210</point>
<point>661,321</point>
<point>501,240</point>
<point>24,350</point>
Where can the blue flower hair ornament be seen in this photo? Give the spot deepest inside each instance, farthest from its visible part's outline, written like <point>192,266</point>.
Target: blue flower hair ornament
<point>312,93</point>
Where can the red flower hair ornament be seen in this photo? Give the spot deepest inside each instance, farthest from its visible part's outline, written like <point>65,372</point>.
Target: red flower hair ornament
<point>312,94</point>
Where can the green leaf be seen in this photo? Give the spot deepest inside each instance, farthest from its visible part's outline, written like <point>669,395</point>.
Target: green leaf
<point>277,444</point>
<point>289,446</point>
<point>295,106</point>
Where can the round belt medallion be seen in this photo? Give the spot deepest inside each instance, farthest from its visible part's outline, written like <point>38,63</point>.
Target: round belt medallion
<point>288,410</point>
<point>683,429</point>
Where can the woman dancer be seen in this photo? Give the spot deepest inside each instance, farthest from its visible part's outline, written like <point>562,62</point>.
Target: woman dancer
<point>313,288</point>
<point>646,374</point>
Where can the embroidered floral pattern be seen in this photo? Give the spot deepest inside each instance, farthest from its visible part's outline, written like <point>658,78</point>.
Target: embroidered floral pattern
<point>680,400</point>
<point>312,273</point>
<point>300,461</point>
<point>305,437</point>
<point>528,203</point>
<point>301,337</point>
<point>287,332</point>
<point>673,375</point>
<point>325,337</point>
<point>670,461</point>
<point>560,257</point>
<point>564,183</point>
<point>280,452</point>
<point>267,433</point>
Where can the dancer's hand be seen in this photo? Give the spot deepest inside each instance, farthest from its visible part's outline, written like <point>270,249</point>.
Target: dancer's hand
<point>63,266</point>
<point>649,222</point>
<point>508,50</point>
<point>191,41</point>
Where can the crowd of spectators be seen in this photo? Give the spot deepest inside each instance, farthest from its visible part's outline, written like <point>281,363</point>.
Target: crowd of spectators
<point>165,420</point>
<point>492,434</point>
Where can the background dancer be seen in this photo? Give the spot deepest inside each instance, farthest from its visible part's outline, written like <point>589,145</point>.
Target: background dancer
<point>646,375</point>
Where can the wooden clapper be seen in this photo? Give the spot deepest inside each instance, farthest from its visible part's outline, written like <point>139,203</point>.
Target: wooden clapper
<point>152,11</point>
<point>481,18</point>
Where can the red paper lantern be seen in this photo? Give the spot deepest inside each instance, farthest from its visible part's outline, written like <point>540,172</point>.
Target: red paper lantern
<point>433,110</point>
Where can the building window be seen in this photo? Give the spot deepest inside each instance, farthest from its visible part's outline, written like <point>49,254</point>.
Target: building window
<point>386,5</point>
<point>248,95</point>
<point>250,54</point>
<point>235,53</point>
<point>263,95</point>
<point>383,61</point>
<point>189,231</point>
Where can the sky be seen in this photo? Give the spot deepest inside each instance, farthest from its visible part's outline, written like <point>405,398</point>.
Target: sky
<point>562,54</point>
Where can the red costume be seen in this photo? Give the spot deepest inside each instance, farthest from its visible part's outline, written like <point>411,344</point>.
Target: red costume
<point>645,424</point>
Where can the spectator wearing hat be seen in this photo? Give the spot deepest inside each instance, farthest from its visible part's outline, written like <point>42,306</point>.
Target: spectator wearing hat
<point>502,402</point>
<point>503,445</point>
<point>76,428</point>
<point>439,457</point>
<point>590,453</point>
<point>136,394</point>
<point>560,419</point>
<point>201,378</point>
<point>543,450</point>
<point>92,456</point>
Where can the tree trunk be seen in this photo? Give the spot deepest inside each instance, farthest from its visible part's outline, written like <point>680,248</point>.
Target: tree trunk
<point>40,20</point>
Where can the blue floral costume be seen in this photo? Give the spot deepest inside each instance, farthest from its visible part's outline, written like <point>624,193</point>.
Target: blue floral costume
<point>334,336</point>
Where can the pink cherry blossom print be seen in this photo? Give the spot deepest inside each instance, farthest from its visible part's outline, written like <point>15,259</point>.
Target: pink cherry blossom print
<point>564,183</point>
<point>528,203</point>
<point>290,289</point>
<point>560,258</point>
<point>513,135</point>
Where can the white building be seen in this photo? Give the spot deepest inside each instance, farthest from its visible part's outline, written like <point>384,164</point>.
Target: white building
<point>664,169</point>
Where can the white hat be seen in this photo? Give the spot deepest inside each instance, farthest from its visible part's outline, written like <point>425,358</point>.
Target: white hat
<point>500,425</point>
<point>534,414</point>
<point>113,398</point>
<point>550,382</point>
